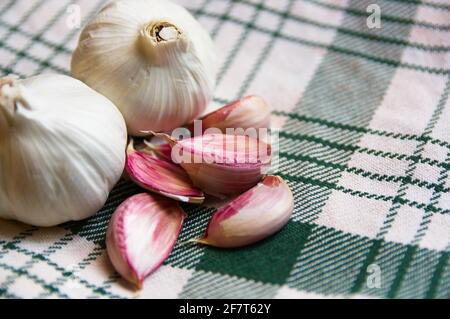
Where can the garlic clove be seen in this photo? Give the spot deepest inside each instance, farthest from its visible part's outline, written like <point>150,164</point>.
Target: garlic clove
<point>250,112</point>
<point>163,151</point>
<point>220,164</point>
<point>251,217</point>
<point>161,176</point>
<point>141,235</point>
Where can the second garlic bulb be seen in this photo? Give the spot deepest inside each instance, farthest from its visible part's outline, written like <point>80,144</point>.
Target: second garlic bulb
<point>152,59</point>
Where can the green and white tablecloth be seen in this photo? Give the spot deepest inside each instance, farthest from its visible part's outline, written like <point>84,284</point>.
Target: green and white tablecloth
<point>365,146</point>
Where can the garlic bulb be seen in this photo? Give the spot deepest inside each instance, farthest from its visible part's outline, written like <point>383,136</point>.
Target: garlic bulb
<point>152,59</point>
<point>62,149</point>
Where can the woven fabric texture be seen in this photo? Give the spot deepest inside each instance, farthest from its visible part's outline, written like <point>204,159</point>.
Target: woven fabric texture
<point>364,144</point>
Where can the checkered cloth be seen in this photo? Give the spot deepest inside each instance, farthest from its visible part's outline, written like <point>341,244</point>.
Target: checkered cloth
<point>365,147</point>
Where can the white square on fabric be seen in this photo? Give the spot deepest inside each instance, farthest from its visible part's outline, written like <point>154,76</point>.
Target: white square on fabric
<point>426,172</point>
<point>166,282</point>
<point>268,21</point>
<point>26,67</point>
<point>41,238</point>
<point>242,11</point>
<point>279,5</point>
<point>16,259</point>
<point>74,289</point>
<point>437,236</point>
<point>435,152</point>
<point>405,225</point>
<point>18,41</point>
<point>368,185</point>
<point>217,7</point>
<point>48,273</point>
<point>410,93</point>
<point>418,194</point>
<point>6,57</point>
<point>5,274</point>
<point>444,201</point>
<point>40,51</point>
<point>72,253</point>
<point>62,60</point>
<point>26,288</point>
<point>352,214</point>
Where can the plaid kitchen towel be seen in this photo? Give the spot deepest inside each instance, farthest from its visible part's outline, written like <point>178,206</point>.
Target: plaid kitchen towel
<point>364,112</point>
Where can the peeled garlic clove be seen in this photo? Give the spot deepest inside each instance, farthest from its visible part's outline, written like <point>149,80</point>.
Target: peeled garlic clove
<point>62,149</point>
<point>220,164</point>
<point>141,235</point>
<point>160,176</point>
<point>152,59</point>
<point>250,112</point>
<point>251,217</point>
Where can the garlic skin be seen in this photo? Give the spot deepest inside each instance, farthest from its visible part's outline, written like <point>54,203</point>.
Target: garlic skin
<point>161,176</point>
<point>141,234</point>
<point>249,112</point>
<point>152,59</point>
<point>222,165</point>
<point>251,217</point>
<point>62,149</point>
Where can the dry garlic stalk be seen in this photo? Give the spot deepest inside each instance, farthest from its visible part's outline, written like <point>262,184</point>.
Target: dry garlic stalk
<point>152,59</point>
<point>62,149</point>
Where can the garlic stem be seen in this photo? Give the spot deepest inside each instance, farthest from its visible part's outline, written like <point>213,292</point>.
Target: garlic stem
<point>161,41</point>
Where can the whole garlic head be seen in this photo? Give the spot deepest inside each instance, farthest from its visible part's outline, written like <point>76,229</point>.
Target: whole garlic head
<point>62,149</point>
<point>152,59</point>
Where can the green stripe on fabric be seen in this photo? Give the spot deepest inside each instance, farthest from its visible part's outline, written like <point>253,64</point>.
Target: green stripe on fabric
<point>436,5</point>
<point>18,272</point>
<point>437,277</point>
<point>386,39</point>
<point>48,25</point>
<point>41,258</point>
<point>401,192</point>
<point>259,63</point>
<point>340,50</point>
<point>331,97</point>
<point>269,261</point>
<point>418,276</point>
<point>331,261</point>
<point>364,130</point>
<point>242,38</point>
<point>390,17</point>
<point>349,147</point>
<point>212,285</point>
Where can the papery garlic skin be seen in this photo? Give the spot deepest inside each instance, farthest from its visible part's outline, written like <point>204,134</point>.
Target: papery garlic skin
<point>141,235</point>
<point>152,59</point>
<point>161,176</point>
<point>251,217</point>
<point>62,149</point>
